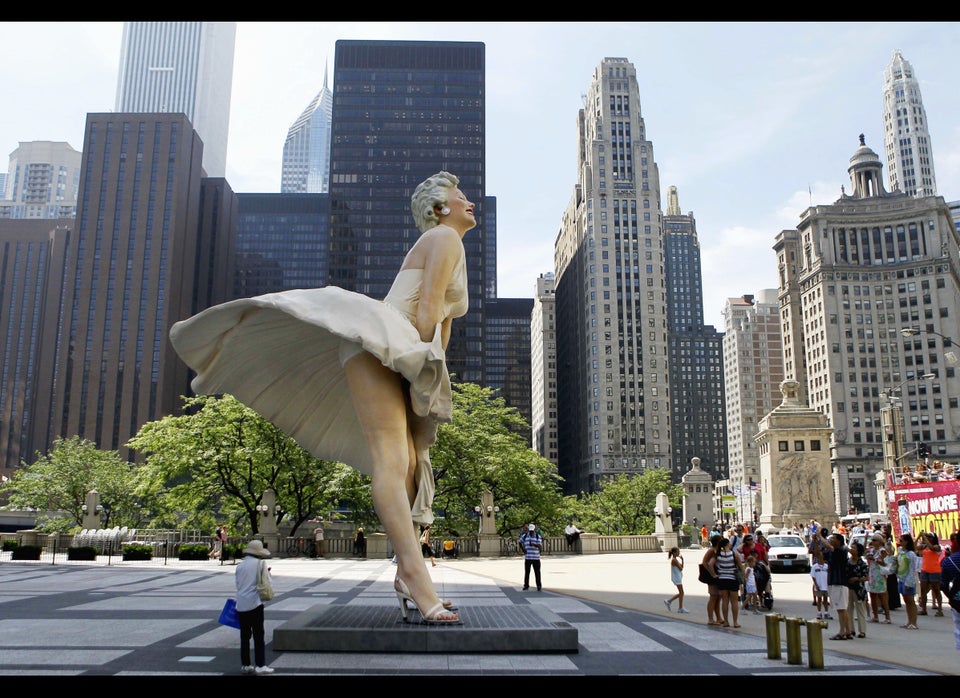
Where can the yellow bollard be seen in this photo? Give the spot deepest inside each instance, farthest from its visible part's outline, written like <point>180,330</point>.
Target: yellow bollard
<point>815,643</point>
<point>773,635</point>
<point>794,650</point>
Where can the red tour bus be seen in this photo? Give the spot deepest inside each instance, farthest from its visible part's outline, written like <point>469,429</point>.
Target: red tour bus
<point>926,498</point>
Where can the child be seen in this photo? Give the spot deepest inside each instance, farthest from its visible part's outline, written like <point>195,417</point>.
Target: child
<point>819,573</point>
<point>676,576</point>
<point>752,599</point>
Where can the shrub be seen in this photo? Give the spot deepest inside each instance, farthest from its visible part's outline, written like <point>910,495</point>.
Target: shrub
<point>83,552</point>
<point>9,545</point>
<point>26,552</point>
<point>232,551</point>
<point>137,551</point>
<point>194,551</point>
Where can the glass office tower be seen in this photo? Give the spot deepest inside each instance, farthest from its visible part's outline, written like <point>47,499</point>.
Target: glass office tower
<point>402,111</point>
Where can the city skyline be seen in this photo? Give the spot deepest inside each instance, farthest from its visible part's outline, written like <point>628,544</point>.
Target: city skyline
<point>749,141</point>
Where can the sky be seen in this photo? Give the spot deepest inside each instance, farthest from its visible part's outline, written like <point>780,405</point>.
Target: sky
<point>751,121</point>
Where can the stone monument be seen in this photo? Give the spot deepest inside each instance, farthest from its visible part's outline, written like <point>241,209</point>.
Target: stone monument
<point>795,473</point>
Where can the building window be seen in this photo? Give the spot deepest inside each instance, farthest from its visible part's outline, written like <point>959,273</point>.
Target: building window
<point>798,445</point>
<point>784,446</point>
<point>815,444</point>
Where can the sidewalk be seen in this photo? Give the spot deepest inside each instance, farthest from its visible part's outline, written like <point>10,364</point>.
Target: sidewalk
<point>641,581</point>
<point>128,620</point>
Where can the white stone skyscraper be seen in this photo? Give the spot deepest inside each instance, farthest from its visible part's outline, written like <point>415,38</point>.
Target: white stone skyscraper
<point>306,151</point>
<point>753,371</point>
<point>906,137</point>
<point>543,369</point>
<point>612,361</point>
<point>869,302</point>
<point>181,67</point>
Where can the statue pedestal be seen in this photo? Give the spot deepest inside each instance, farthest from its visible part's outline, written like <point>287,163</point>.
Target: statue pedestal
<point>376,546</point>
<point>488,545</point>
<point>589,543</point>
<point>668,540</point>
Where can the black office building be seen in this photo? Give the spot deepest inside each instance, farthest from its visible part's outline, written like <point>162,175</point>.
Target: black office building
<point>281,243</point>
<point>402,111</point>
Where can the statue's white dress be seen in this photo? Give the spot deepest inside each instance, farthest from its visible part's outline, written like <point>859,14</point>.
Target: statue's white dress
<point>279,354</point>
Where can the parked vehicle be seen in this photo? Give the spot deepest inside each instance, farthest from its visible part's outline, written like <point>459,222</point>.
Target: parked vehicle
<point>787,552</point>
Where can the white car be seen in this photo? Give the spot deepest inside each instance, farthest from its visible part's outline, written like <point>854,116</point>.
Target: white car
<point>788,551</point>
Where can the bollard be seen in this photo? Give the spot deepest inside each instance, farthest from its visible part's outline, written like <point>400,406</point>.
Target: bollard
<point>794,650</point>
<point>773,635</point>
<point>815,643</point>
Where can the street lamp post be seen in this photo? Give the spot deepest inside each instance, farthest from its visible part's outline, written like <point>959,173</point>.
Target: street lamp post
<point>891,421</point>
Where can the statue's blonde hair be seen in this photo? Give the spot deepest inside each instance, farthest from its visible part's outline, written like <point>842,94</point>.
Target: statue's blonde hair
<point>433,191</point>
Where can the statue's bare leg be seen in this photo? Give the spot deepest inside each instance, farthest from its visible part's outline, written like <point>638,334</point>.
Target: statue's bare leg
<point>381,408</point>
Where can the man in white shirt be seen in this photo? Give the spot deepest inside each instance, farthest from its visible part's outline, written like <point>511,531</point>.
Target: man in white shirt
<point>572,533</point>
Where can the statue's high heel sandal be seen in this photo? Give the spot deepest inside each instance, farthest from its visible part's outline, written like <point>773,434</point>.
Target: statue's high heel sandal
<point>438,615</point>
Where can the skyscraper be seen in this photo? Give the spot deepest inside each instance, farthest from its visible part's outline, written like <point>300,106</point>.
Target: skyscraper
<point>869,301</point>
<point>752,373</point>
<point>32,256</point>
<point>44,178</point>
<point>181,67</point>
<point>695,366</point>
<point>612,368</point>
<point>906,136</point>
<point>543,369</point>
<point>149,248</point>
<point>507,353</point>
<point>428,115</point>
<point>281,243</point>
<point>306,151</point>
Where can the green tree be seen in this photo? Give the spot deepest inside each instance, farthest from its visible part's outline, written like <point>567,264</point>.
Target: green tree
<point>481,449</point>
<point>59,481</point>
<point>214,462</point>
<point>624,504</point>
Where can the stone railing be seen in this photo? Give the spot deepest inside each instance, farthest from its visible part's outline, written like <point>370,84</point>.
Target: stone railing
<point>166,544</point>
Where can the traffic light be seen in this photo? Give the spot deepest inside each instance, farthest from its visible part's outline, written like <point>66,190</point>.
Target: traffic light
<point>923,450</point>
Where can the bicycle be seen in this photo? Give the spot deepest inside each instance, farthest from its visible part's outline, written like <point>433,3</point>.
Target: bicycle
<point>301,547</point>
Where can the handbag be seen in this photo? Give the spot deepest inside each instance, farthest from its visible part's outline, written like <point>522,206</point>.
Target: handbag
<point>264,587</point>
<point>704,575</point>
<point>228,616</point>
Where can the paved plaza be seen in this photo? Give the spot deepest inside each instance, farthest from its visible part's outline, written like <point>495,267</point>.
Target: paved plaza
<point>125,619</point>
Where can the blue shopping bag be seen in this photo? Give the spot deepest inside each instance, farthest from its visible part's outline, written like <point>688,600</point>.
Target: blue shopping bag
<point>228,616</point>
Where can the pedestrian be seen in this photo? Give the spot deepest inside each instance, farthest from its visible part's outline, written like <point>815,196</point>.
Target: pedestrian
<point>928,546</point>
<point>858,574</point>
<point>908,568</point>
<point>532,542</point>
<point>676,576</point>
<point>426,549</point>
<point>949,569</point>
<point>572,533</point>
<point>250,608</point>
<point>318,539</point>
<point>751,595</point>
<point>728,562</point>
<point>219,538</point>
<point>893,591</point>
<point>876,556</point>
<point>818,572</point>
<point>709,562</point>
<point>704,536</point>
<point>359,543</point>
<point>835,555</point>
